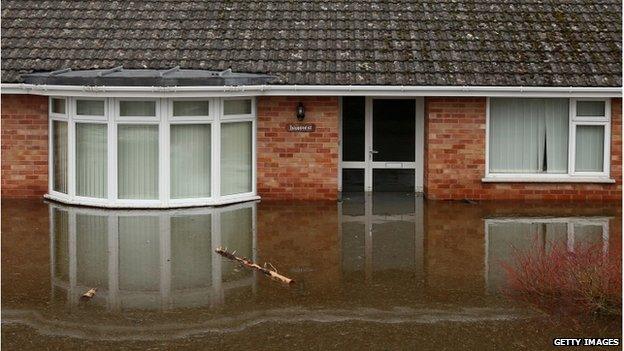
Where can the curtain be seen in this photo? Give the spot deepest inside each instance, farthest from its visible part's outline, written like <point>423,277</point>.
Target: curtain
<point>589,148</point>
<point>92,250</point>
<point>60,156</point>
<point>191,108</point>
<point>237,107</point>
<point>139,253</point>
<point>91,160</point>
<point>236,158</point>
<point>90,107</point>
<point>590,108</point>
<point>137,159</point>
<point>137,108</point>
<point>528,135</point>
<point>190,160</point>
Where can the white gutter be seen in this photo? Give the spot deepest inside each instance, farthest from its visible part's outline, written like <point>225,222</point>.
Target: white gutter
<point>308,90</point>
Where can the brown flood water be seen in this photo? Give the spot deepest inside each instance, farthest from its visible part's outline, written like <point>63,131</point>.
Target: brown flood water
<point>383,271</point>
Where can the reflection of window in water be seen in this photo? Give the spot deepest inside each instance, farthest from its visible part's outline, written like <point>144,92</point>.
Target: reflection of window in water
<point>150,259</point>
<point>504,237</point>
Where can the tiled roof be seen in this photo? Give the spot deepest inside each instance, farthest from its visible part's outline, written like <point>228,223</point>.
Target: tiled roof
<point>396,42</point>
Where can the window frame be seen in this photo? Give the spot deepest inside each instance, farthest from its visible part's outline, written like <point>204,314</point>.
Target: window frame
<point>100,200</point>
<point>164,119</point>
<point>177,119</point>
<point>89,118</point>
<point>210,120</point>
<point>137,119</point>
<point>571,176</point>
<point>52,119</point>
<point>576,121</point>
<point>224,117</point>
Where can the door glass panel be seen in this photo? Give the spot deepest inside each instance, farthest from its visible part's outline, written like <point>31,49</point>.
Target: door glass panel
<point>352,180</point>
<point>394,123</point>
<point>353,136</point>
<point>393,180</point>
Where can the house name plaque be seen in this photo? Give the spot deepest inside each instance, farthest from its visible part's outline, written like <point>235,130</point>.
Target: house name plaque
<point>301,127</point>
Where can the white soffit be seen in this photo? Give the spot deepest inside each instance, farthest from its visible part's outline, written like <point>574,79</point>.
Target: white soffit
<point>308,90</point>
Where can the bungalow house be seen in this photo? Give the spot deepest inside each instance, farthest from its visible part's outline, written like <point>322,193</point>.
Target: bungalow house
<point>190,103</point>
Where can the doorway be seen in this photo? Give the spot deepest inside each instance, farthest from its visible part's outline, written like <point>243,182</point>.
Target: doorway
<point>382,144</point>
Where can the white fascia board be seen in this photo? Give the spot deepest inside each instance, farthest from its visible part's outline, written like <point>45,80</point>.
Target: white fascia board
<point>309,90</point>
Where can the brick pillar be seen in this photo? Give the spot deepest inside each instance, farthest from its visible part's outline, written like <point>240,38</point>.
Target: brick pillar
<point>301,166</point>
<point>24,145</point>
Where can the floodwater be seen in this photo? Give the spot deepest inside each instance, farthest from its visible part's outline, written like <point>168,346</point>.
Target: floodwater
<point>382,271</point>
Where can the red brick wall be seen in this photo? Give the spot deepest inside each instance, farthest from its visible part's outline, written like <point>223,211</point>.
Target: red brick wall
<point>455,158</point>
<point>24,145</point>
<point>299,166</point>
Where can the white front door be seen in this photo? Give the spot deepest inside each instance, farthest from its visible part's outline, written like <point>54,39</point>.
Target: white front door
<point>382,144</point>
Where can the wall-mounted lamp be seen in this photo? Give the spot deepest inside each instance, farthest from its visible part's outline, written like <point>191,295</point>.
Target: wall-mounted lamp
<point>300,112</point>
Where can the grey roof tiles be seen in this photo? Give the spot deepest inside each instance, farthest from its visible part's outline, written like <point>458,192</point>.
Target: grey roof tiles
<point>430,42</point>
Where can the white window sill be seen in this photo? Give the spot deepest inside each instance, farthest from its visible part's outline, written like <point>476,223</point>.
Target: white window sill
<point>546,179</point>
<point>82,201</point>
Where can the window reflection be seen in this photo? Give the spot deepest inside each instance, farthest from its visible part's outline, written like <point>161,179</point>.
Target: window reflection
<point>151,259</point>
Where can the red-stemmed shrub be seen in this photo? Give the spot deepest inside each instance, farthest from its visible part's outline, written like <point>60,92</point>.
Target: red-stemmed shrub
<point>586,281</point>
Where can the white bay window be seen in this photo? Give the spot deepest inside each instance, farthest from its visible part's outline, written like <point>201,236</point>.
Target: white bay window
<point>548,139</point>
<point>133,152</point>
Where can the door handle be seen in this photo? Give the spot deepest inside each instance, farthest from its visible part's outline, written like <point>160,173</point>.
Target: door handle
<point>371,153</point>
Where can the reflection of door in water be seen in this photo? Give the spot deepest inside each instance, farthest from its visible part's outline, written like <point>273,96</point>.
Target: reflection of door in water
<point>382,231</point>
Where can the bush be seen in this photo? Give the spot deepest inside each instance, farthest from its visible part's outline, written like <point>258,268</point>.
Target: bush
<point>583,282</point>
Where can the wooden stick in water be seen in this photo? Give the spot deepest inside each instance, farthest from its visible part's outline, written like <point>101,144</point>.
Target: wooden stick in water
<point>89,294</point>
<point>271,273</point>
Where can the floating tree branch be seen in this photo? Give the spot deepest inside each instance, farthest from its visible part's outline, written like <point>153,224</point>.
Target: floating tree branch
<point>271,273</point>
<point>89,294</point>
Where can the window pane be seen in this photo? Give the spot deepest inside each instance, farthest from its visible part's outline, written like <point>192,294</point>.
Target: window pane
<point>394,180</point>
<point>237,107</point>
<point>191,108</point>
<point>58,106</point>
<point>589,148</point>
<point>190,160</point>
<point>60,156</point>
<point>137,108</point>
<point>394,130</point>
<point>353,136</point>
<point>528,135</point>
<point>137,161</point>
<point>352,180</point>
<point>236,154</point>
<point>590,108</point>
<point>90,107</point>
<point>91,160</point>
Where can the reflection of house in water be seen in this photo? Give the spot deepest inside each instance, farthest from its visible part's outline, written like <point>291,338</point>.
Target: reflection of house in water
<point>506,236</point>
<point>381,232</point>
<point>403,244</point>
<point>151,259</point>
